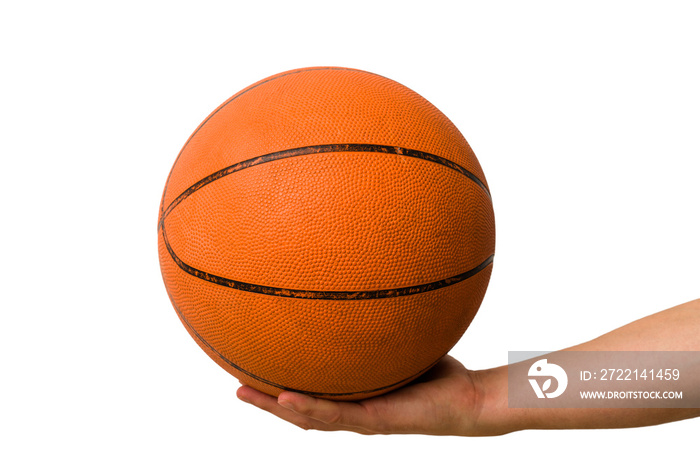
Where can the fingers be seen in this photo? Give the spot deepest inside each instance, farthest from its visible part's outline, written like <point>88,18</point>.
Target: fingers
<point>339,414</point>
<point>433,404</point>
<point>270,404</point>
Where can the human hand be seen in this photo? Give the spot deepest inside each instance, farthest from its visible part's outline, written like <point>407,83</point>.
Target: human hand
<point>452,400</point>
<point>447,400</point>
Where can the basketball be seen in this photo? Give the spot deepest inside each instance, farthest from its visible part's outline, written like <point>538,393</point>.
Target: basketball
<point>326,231</point>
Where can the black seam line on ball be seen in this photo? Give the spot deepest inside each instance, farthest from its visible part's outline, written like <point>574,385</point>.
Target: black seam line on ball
<point>234,97</point>
<point>327,295</point>
<point>321,149</point>
<point>282,387</point>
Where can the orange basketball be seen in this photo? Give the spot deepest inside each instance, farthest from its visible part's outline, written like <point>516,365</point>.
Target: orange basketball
<point>326,231</point>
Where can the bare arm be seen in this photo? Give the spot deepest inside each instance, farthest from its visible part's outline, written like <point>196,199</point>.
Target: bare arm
<point>675,329</point>
<point>451,400</point>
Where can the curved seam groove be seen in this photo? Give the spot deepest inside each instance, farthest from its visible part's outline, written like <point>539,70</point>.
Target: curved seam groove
<point>282,387</point>
<point>327,295</point>
<point>320,149</point>
<point>231,99</point>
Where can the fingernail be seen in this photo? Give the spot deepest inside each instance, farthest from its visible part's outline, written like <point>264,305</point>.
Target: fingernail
<point>286,404</point>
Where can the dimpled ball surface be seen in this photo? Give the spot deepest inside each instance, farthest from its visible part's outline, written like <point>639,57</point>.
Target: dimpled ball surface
<point>327,231</point>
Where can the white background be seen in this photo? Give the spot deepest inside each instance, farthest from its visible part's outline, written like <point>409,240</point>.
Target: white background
<point>585,118</point>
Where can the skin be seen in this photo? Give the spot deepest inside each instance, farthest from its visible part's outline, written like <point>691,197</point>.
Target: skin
<point>453,400</point>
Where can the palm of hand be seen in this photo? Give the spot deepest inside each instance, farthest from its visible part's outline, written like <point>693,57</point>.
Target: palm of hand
<point>444,401</point>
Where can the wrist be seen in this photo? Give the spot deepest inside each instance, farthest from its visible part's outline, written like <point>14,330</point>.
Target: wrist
<point>493,416</point>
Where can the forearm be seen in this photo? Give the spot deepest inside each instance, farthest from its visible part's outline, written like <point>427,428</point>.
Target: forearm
<point>497,418</point>
<point>675,329</point>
